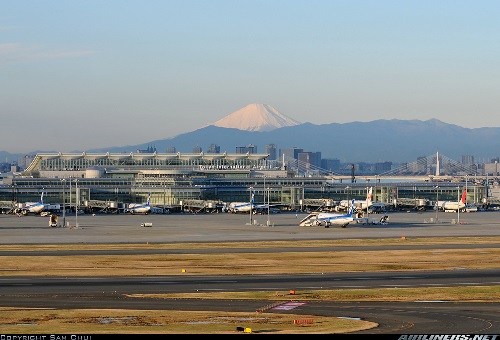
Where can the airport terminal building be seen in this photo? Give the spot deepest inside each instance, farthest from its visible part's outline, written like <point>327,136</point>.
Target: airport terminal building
<point>110,181</point>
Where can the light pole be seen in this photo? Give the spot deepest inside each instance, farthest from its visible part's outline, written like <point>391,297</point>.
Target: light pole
<point>437,202</point>
<point>251,205</point>
<point>265,191</point>
<point>347,195</point>
<point>458,205</point>
<point>69,194</point>
<point>367,193</point>
<point>415,197</point>
<point>77,199</point>
<point>268,204</point>
<point>64,201</point>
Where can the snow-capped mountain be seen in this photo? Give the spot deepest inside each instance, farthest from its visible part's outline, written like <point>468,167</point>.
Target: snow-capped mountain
<point>256,117</point>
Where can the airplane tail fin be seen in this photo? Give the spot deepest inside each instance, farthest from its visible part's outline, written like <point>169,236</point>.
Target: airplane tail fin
<point>369,194</point>
<point>149,200</point>
<point>464,196</point>
<point>252,200</point>
<point>41,198</point>
<point>351,209</point>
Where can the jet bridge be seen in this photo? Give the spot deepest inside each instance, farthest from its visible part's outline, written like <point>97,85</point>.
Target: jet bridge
<point>316,204</point>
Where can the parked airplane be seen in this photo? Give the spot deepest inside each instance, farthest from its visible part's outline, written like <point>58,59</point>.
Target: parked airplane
<point>34,208</point>
<point>245,207</point>
<point>327,219</point>
<point>144,208</point>
<point>236,207</point>
<point>358,204</point>
<point>450,206</point>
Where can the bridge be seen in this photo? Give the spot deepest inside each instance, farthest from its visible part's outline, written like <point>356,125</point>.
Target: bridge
<point>479,179</point>
<point>432,168</point>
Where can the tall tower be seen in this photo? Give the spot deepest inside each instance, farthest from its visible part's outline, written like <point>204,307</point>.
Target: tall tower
<point>438,171</point>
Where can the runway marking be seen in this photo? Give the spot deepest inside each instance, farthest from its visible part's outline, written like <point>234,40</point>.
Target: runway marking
<point>267,288</point>
<point>469,283</point>
<point>289,306</point>
<point>433,284</point>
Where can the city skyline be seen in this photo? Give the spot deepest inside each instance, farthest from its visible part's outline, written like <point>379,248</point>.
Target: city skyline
<point>87,74</point>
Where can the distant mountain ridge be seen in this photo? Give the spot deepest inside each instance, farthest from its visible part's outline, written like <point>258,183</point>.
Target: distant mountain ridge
<point>380,140</point>
<point>376,141</point>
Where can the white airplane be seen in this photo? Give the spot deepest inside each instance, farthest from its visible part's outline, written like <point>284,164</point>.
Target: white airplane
<point>358,204</point>
<point>34,207</point>
<point>453,205</point>
<point>144,208</point>
<point>328,219</point>
<point>239,207</point>
<point>245,207</point>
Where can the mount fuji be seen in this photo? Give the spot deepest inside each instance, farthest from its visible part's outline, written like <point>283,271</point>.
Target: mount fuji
<point>256,117</point>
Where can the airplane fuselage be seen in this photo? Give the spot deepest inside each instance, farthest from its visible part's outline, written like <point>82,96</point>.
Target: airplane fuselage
<point>34,208</point>
<point>327,219</point>
<point>140,210</point>
<point>451,206</point>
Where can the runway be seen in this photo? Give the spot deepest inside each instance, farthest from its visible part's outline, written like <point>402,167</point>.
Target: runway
<point>432,317</point>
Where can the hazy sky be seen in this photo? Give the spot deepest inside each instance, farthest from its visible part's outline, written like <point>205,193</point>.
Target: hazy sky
<point>77,75</point>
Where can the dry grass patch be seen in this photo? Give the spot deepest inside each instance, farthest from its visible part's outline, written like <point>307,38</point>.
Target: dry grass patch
<point>462,294</point>
<point>70,321</point>
<point>256,244</point>
<point>251,263</point>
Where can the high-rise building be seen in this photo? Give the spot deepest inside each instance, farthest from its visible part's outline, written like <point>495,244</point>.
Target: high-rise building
<point>271,151</point>
<point>213,148</point>
<point>291,153</point>
<point>171,149</point>
<point>25,161</point>
<point>309,161</point>
<point>382,167</point>
<point>197,149</point>
<point>291,156</point>
<point>250,148</point>
<point>331,164</point>
<point>467,159</point>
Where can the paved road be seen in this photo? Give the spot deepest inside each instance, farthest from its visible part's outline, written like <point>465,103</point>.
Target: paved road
<point>399,318</point>
<point>236,227</point>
